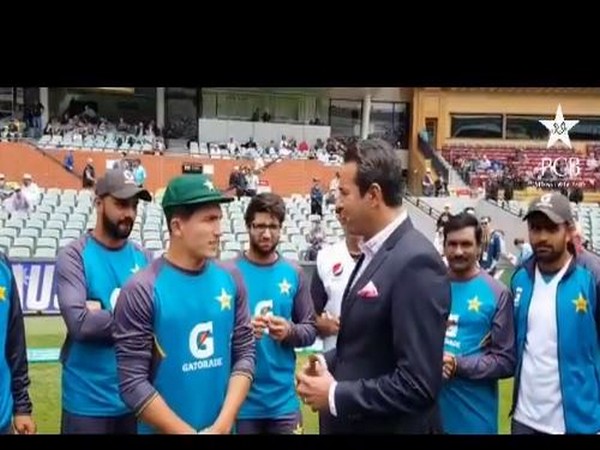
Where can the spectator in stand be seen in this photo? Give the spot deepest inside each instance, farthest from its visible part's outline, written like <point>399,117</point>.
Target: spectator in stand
<point>14,130</point>
<point>524,251</point>
<point>285,151</point>
<point>30,189</point>
<point>89,175</point>
<point>444,217</point>
<point>303,147</point>
<point>139,130</point>
<point>89,114</point>
<point>17,202</point>
<point>250,143</point>
<point>484,163</point>
<point>139,173</point>
<point>235,182</point>
<point>259,163</point>
<point>272,150</point>
<point>283,143</point>
<point>38,111</point>
<point>69,162</point>
<point>152,129</point>
<point>122,127</point>
<point>492,189</point>
<point>315,239</point>
<point>122,164</point>
<point>509,189</point>
<point>5,190</point>
<point>316,198</point>
<point>428,184</point>
<point>440,186</point>
<point>159,145</point>
<point>491,247</point>
<point>252,182</point>
<point>232,146</point>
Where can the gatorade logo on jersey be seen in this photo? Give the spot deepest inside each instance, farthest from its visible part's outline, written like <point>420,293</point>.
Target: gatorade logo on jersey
<point>202,348</point>
<point>452,331</point>
<point>264,308</point>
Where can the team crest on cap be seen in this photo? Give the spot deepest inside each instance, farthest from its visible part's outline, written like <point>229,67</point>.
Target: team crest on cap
<point>337,269</point>
<point>128,176</point>
<point>545,201</point>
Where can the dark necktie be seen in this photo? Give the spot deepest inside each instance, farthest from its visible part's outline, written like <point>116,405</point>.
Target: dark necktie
<point>353,274</point>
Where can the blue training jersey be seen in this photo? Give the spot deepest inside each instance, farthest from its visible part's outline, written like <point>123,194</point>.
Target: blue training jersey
<point>14,379</point>
<point>192,333</point>
<point>88,271</point>
<point>277,289</point>
<point>6,398</point>
<point>481,317</point>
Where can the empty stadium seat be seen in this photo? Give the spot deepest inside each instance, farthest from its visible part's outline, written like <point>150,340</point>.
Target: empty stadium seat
<point>45,252</point>
<point>19,252</point>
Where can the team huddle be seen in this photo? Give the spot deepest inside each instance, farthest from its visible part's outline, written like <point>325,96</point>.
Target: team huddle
<point>189,344</point>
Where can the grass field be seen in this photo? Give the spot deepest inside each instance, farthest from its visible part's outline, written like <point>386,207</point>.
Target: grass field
<point>48,332</point>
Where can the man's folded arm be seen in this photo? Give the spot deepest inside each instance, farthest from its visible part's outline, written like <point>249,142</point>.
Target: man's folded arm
<point>82,324</point>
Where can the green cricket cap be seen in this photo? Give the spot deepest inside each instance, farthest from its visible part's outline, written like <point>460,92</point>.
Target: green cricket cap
<point>192,189</point>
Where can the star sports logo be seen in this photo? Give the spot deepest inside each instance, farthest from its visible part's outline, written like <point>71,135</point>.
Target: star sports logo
<point>555,170</point>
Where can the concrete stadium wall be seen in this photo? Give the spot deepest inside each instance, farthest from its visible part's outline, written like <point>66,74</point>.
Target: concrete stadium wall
<point>422,222</point>
<point>457,204</point>
<point>286,177</point>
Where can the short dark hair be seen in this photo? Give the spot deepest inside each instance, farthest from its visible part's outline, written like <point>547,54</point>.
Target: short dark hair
<point>266,202</point>
<point>377,162</point>
<point>182,211</point>
<point>461,221</point>
<point>518,241</point>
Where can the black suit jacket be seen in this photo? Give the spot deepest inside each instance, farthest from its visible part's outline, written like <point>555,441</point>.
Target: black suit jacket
<point>388,359</point>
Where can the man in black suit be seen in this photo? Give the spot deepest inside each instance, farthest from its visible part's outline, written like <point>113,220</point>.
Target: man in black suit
<point>385,374</point>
